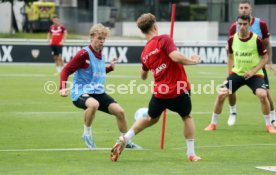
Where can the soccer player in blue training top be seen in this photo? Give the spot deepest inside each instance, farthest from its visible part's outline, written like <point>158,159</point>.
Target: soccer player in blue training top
<point>259,27</point>
<point>88,85</point>
<point>248,54</point>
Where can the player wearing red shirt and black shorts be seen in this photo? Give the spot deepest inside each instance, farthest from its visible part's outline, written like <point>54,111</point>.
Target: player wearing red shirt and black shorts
<point>169,76</point>
<point>56,36</point>
<point>171,86</point>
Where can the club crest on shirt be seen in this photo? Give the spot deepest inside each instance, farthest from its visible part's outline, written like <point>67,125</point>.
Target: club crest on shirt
<point>35,53</point>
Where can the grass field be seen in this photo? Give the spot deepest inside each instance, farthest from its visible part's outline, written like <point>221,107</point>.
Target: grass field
<point>32,120</point>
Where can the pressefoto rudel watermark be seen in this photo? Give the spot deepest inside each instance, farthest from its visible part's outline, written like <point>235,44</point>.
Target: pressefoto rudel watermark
<point>132,87</point>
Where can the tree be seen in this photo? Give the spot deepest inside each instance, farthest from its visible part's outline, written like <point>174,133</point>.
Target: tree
<point>13,20</point>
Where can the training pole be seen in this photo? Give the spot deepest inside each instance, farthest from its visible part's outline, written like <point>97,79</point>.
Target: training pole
<point>165,111</point>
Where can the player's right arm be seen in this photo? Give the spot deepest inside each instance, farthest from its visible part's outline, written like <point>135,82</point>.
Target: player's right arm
<point>78,61</point>
<point>170,49</point>
<point>231,32</point>
<point>178,57</point>
<point>49,37</point>
<point>230,62</point>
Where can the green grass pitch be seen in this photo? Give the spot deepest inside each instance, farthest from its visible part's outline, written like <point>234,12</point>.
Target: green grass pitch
<point>31,119</point>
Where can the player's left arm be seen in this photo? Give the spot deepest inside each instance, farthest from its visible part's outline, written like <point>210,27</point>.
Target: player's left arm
<point>64,36</point>
<point>262,63</point>
<point>263,54</point>
<point>111,66</point>
<point>269,52</point>
<point>266,39</point>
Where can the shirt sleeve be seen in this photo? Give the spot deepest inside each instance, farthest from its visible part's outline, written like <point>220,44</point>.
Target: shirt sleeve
<point>108,69</point>
<point>230,43</point>
<point>167,44</point>
<point>264,29</point>
<point>261,47</point>
<point>232,29</point>
<point>50,30</point>
<point>144,67</point>
<point>63,29</point>
<point>77,62</point>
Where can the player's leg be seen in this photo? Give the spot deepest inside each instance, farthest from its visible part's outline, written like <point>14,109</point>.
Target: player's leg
<point>155,110</point>
<point>270,99</point>
<point>233,111</point>
<point>55,57</point>
<point>258,87</point>
<point>233,83</point>
<point>59,59</point>
<point>183,106</point>
<point>189,130</point>
<point>272,110</point>
<point>90,105</point>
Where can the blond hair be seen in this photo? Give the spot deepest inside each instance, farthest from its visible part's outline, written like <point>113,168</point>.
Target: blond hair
<point>99,29</point>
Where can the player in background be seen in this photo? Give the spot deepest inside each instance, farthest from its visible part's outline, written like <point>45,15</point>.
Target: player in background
<point>171,86</point>
<point>56,37</point>
<point>88,91</point>
<point>259,27</point>
<point>248,53</point>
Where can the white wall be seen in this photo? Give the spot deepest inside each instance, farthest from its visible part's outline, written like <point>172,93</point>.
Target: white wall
<point>188,31</point>
<point>5,17</point>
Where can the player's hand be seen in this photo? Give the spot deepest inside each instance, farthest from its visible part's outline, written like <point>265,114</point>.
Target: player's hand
<point>113,62</point>
<point>195,59</point>
<point>248,75</point>
<point>271,68</point>
<point>63,93</point>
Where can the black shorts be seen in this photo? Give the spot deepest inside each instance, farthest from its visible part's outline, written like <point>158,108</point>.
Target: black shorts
<point>234,82</point>
<point>56,49</point>
<point>103,99</point>
<point>181,104</point>
<point>266,79</point>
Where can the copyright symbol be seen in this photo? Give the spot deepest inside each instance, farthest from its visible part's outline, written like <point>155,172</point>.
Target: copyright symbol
<point>50,87</point>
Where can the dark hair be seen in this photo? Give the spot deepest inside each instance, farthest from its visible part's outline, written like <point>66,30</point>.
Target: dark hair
<point>245,2</point>
<point>244,17</point>
<point>145,22</point>
<point>54,16</point>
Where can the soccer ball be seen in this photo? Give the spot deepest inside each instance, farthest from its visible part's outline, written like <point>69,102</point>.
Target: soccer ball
<point>141,113</point>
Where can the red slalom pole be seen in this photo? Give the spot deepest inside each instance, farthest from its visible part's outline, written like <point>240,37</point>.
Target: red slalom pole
<point>165,111</point>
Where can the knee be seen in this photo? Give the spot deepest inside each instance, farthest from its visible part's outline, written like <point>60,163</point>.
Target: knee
<point>222,96</point>
<point>152,120</point>
<point>262,94</point>
<point>120,112</point>
<point>93,106</point>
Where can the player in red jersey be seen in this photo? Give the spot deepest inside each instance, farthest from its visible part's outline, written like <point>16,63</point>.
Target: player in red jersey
<point>259,27</point>
<point>56,37</point>
<point>171,86</point>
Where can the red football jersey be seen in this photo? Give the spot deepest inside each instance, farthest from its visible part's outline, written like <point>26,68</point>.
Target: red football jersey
<point>57,34</point>
<point>170,78</point>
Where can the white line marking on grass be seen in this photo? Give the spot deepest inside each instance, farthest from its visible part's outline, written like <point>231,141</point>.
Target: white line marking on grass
<point>25,75</point>
<point>64,149</point>
<point>64,112</point>
<point>239,145</point>
<point>42,112</point>
<point>50,75</point>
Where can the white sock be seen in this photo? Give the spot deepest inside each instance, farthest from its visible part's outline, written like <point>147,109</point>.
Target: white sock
<point>129,135</point>
<point>190,147</point>
<point>87,130</point>
<point>272,115</point>
<point>215,118</point>
<point>233,109</point>
<point>267,119</point>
